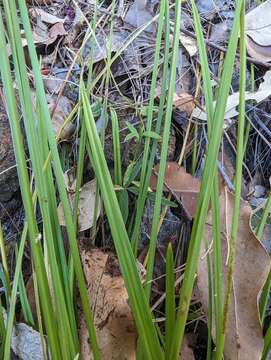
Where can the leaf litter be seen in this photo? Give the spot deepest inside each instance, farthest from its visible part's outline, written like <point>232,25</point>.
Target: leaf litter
<point>86,206</point>
<point>113,319</point>
<point>258,30</point>
<point>261,94</point>
<point>180,182</point>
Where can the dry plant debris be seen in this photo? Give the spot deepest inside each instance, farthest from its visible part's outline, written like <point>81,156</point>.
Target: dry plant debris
<point>186,352</point>
<point>258,31</point>
<point>48,27</point>
<point>86,206</point>
<point>261,94</point>
<point>113,319</point>
<point>61,109</point>
<point>177,180</point>
<point>138,15</point>
<point>184,102</point>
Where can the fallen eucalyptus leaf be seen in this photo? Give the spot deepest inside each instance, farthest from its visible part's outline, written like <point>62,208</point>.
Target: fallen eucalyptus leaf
<point>256,51</point>
<point>86,206</point>
<point>45,16</point>
<point>244,338</point>
<point>184,102</point>
<point>62,111</point>
<point>189,44</point>
<point>48,36</point>
<point>180,182</point>
<point>138,15</point>
<point>258,29</point>
<point>233,100</point>
<point>99,47</point>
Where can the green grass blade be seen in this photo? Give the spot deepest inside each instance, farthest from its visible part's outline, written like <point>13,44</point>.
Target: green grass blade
<point>238,181</point>
<point>38,152</point>
<point>4,262</point>
<point>16,279</point>
<point>164,87</point>
<point>265,297</point>
<point>266,290</point>
<point>267,344</point>
<point>116,147</point>
<point>170,298</point>
<point>2,331</point>
<point>262,223</point>
<point>26,310</point>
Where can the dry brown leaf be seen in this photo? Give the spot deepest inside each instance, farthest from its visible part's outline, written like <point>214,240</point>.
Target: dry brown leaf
<point>258,29</point>
<point>244,339</point>
<point>189,44</point>
<point>86,206</point>
<point>113,319</point>
<point>180,182</point>
<point>176,179</point>
<point>48,26</point>
<point>62,111</point>
<point>42,35</point>
<point>184,102</point>
<point>49,36</point>
<point>57,30</point>
<point>139,14</point>
<point>45,16</point>
<point>256,51</point>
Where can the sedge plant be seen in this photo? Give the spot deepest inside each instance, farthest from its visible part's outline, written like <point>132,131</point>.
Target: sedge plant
<point>55,274</point>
